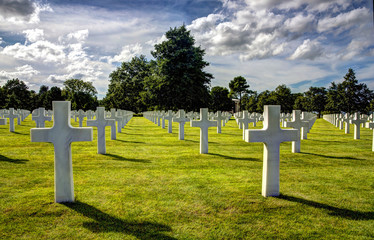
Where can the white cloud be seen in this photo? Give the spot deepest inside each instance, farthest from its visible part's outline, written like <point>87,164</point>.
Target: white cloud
<point>44,51</point>
<point>22,72</point>
<point>299,24</point>
<point>127,53</point>
<point>80,35</point>
<point>344,21</point>
<point>34,35</point>
<point>308,50</point>
<point>356,47</point>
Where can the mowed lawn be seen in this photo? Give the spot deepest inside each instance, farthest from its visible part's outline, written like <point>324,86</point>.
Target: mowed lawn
<point>150,185</point>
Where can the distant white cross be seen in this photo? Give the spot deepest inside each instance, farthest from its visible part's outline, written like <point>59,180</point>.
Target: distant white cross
<point>371,126</point>
<point>81,115</point>
<point>11,115</point>
<point>272,136</point>
<point>204,123</point>
<point>101,122</point>
<point>245,121</point>
<point>219,117</point>
<point>62,134</point>
<point>41,118</point>
<point>169,117</point>
<point>296,124</point>
<point>181,119</point>
<point>357,122</point>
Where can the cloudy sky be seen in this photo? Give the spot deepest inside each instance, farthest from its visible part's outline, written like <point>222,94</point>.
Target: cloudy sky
<point>300,43</point>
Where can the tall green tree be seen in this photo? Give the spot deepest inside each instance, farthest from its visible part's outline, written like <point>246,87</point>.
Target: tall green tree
<point>220,100</point>
<point>126,88</point>
<point>316,99</point>
<point>249,101</point>
<point>238,86</point>
<point>349,95</point>
<point>265,98</point>
<point>17,95</point>
<point>178,79</point>
<point>81,94</point>
<point>282,96</point>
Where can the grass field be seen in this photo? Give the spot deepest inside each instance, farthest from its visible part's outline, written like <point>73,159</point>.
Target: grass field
<point>150,185</point>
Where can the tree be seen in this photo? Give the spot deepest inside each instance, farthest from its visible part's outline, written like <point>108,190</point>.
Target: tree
<point>349,95</point>
<point>126,86</point>
<point>238,86</point>
<point>316,99</point>
<point>17,95</point>
<point>283,97</point>
<point>265,98</point>
<point>249,101</point>
<point>300,103</point>
<point>178,80</point>
<point>220,100</point>
<point>81,94</point>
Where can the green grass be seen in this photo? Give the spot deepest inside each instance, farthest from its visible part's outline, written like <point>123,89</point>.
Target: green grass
<point>150,185</point>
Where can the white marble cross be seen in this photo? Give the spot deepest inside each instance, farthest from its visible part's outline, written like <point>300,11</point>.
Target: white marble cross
<point>81,115</point>
<point>181,119</point>
<point>272,136</point>
<point>41,118</point>
<point>245,121</point>
<point>62,134</point>
<point>114,116</point>
<point>346,120</point>
<point>371,125</point>
<point>203,124</point>
<point>101,122</point>
<point>163,114</point>
<point>169,116</point>
<point>296,124</point>
<point>11,115</point>
<point>219,117</point>
<point>357,122</point>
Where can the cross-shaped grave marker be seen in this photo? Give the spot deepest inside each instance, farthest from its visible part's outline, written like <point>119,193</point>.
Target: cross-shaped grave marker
<point>169,116</point>
<point>219,117</point>
<point>272,136</point>
<point>245,121</point>
<point>114,116</point>
<point>371,126</point>
<point>101,122</point>
<point>181,119</point>
<point>346,120</point>
<point>40,118</point>
<point>62,134</point>
<point>11,115</point>
<point>357,122</point>
<point>81,115</point>
<point>204,123</point>
<point>297,124</point>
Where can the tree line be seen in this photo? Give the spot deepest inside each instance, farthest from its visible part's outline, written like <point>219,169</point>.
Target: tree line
<point>176,79</point>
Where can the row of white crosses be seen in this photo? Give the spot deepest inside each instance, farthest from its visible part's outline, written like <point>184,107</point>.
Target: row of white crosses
<point>12,114</point>
<point>357,120</point>
<point>205,121</point>
<point>339,119</point>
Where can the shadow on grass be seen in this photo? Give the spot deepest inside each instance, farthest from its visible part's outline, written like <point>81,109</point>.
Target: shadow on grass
<point>16,161</point>
<point>128,141</point>
<point>121,158</point>
<point>333,157</point>
<point>235,158</point>
<point>334,211</point>
<point>104,222</point>
<point>18,133</point>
